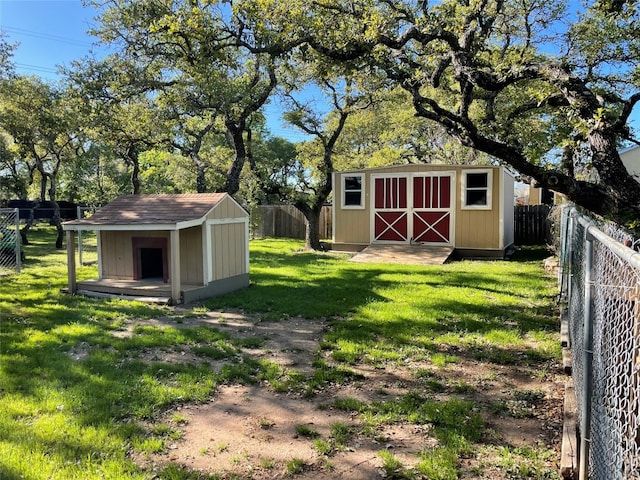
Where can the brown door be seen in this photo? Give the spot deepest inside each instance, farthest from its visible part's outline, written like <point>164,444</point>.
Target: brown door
<point>150,258</point>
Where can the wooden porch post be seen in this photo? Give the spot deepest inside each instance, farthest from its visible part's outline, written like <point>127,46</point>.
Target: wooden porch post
<point>206,253</point>
<point>71,261</point>
<point>174,266</point>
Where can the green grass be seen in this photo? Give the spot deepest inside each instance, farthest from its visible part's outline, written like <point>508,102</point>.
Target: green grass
<point>76,395</point>
<point>306,431</point>
<point>295,466</point>
<point>388,313</point>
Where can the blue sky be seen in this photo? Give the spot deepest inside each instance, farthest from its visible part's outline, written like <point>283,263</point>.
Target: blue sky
<point>51,33</point>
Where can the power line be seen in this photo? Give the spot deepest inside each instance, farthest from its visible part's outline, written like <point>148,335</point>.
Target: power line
<point>35,68</point>
<point>45,36</point>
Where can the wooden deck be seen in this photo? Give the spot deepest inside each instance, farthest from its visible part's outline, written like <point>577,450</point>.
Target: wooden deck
<point>404,254</point>
<point>148,290</point>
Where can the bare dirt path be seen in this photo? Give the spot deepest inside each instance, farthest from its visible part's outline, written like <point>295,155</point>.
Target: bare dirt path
<point>252,432</point>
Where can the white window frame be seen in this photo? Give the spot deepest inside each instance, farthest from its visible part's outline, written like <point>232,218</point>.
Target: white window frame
<point>343,204</point>
<point>488,188</point>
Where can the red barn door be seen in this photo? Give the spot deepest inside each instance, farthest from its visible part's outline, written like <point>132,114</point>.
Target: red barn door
<point>391,216</point>
<point>432,208</point>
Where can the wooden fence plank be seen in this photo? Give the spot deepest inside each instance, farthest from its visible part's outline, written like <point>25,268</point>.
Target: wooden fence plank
<point>286,221</point>
<point>531,226</point>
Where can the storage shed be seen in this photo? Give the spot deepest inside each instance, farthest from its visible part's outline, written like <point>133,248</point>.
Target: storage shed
<point>176,248</point>
<point>466,208</point>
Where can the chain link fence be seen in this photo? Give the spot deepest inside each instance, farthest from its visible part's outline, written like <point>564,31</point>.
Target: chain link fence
<point>87,240</point>
<point>600,285</point>
<point>11,254</point>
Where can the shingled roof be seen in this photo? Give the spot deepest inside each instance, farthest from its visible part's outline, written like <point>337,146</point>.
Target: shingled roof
<point>152,210</point>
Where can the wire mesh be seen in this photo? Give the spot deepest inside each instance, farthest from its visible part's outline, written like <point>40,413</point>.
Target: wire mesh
<point>614,387</point>
<point>11,255</point>
<point>87,240</point>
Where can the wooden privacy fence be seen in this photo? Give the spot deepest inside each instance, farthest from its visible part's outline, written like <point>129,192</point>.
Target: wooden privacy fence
<point>532,225</point>
<point>286,221</point>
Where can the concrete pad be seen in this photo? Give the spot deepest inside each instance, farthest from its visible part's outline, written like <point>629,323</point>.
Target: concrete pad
<point>404,254</point>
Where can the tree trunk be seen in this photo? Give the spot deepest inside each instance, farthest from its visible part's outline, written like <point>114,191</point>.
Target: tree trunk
<point>56,219</point>
<point>312,234</point>
<point>132,159</point>
<point>232,183</point>
<point>24,231</point>
<point>135,178</point>
<point>623,190</point>
<point>312,228</point>
<point>201,181</point>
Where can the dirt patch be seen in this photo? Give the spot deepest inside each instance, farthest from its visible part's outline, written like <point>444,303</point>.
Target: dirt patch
<point>254,432</point>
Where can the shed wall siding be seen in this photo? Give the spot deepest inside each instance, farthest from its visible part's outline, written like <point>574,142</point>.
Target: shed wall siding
<point>227,208</point>
<point>117,252</point>
<point>352,226</point>
<point>473,229</point>
<point>508,211</point>
<point>479,228</point>
<point>191,256</point>
<point>229,250</point>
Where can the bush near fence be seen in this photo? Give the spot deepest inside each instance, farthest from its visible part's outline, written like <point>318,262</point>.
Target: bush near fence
<point>600,286</point>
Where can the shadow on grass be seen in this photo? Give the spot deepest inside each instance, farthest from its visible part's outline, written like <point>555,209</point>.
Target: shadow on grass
<point>374,309</point>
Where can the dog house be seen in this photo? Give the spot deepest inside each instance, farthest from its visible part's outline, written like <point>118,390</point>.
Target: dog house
<point>173,248</point>
<point>468,209</point>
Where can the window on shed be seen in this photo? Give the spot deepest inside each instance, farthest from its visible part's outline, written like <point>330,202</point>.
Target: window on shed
<point>476,189</point>
<point>352,191</point>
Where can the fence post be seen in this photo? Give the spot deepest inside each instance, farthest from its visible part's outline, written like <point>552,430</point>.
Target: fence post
<point>79,216</point>
<point>18,246</point>
<point>571,232</point>
<point>587,381</point>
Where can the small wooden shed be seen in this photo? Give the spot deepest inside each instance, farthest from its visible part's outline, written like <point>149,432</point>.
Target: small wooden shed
<point>178,248</point>
<point>469,209</point>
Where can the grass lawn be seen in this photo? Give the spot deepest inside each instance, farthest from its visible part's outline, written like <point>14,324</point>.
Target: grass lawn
<point>77,395</point>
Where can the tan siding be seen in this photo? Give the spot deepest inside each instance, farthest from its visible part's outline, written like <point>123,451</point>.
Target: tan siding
<point>479,228</point>
<point>229,250</point>
<point>534,195</point>
<point>117,253</point>
<point>349,225</point>
<point>235,255</point>
<point>352,226</point>
<point>191,256</point>
<point>508,209</point>
<point>117,260</point>
<point>227,208</point>
<point>219,263</point>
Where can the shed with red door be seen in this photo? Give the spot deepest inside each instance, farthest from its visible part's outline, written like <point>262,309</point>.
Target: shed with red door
<point>467,208</point>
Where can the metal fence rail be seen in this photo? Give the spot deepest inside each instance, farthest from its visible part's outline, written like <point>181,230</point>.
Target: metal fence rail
<point>601,288</point>
<point>10,246</point>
